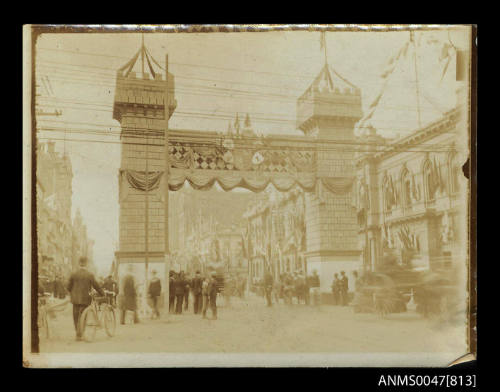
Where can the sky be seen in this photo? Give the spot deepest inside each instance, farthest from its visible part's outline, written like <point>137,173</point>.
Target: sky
<point>216,76</point>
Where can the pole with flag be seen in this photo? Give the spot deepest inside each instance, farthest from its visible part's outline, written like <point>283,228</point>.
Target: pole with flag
<point>322,44</point>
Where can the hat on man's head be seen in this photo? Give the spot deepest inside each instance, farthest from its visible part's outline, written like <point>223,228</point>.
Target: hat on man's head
<point>153,272</point>
<point>198,272</point>
<point>83,261</point>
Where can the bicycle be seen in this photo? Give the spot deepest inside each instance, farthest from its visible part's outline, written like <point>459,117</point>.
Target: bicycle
<point>43,316</point>
<point>100,313</point>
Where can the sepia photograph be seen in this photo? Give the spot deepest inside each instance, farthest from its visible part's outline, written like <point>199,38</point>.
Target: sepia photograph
<point>248,196</point>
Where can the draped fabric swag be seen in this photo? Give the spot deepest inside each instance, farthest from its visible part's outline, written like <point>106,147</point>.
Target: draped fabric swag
<point>338,186</point>
<point>228,180</point>
<point>141,181</point>
<point>256,182</point>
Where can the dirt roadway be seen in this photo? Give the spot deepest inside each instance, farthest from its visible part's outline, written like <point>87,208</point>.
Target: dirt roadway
<point>251,327</point>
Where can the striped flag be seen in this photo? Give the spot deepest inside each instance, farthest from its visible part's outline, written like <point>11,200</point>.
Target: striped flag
<point>445,58</point>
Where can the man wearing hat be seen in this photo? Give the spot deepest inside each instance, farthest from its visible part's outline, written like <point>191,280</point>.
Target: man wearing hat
<point>79,286</point>
<point>129,296</point>
<point>154,292</point>
<point>111,288</point>
<point>197,295</point>
<point>212,296</point>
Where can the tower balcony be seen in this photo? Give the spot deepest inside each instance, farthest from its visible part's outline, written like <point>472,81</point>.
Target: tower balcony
<point>143,90</point>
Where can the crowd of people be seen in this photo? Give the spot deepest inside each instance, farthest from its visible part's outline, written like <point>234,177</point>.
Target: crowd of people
<point>288,288</point>
<point>52,285</point>
<point>298,288</point>
<point>203,289</point>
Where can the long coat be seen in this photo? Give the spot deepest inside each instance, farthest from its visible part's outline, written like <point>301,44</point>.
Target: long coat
<point>79,286</point>
<point>180,286</point>
<point>197,283</point>
<point>129,293</point>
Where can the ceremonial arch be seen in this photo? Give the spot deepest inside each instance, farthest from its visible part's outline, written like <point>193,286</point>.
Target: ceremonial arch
<point>321,163</point>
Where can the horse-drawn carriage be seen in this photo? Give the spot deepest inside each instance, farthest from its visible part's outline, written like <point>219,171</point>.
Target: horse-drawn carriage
<point>393,290</point>
<point>379,293</point>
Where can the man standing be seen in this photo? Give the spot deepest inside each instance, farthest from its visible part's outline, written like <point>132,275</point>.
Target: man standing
<point>197,295</point>
<point>336,289</point>
<point>187,289</point>
<point>315,284</point>
<point>154,292</point>
<point>212,295</point>
<point>268,287</point>
<point>344,288</point>
<point>129,296</point>
<point>112,287</point>
<point>180,285</point>
<point>79,286</point>
<point>171,291</point>
<point>205,296</point>
<point>59,290</point>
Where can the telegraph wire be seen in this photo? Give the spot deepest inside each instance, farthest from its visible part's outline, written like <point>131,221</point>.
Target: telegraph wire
<point>214,116</point>
<point>242,146</point>
<point>136,131</point>
<point>234,93</point>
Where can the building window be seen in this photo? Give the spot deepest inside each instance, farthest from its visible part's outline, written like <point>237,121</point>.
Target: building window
<point>455,172</point>
<point>429,181</point>
<point>406,189</point>
<point>385,187</point>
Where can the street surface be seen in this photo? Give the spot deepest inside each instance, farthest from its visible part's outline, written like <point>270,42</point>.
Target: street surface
<point>252,327</point>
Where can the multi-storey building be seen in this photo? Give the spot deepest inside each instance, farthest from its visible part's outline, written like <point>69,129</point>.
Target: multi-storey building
<point>276,234</point>
<point>82,246</point>
<point>411,197</point>
<point>54,193</point>
<point>411,194</point>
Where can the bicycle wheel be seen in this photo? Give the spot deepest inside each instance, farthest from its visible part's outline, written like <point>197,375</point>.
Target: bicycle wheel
<point>109,319</point>
<point>88,324</point>
<point>43,324</point>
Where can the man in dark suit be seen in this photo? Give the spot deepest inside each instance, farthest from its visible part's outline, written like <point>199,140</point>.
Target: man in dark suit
<point>197,296</point>
<point>112,287</point>
<point>187,289</point>
<point>213,289</point>
<point>171,292</point>
<point>129,301</point>
<point>129,296</point>
<point>180,286</point>
<point>79,286</point>
<point>154,292</point>
<point>344,288</point>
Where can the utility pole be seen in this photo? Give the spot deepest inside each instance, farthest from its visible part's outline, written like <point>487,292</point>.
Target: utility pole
<point>146,224</point>
<point>165,178</point>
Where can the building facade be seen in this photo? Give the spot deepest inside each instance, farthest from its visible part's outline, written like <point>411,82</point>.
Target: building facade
<point>61,240</point>
<point>276,235</point>
<point>410,196</point>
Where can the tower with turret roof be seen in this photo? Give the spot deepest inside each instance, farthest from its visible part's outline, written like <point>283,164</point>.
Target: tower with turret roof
<point>140,107</point>
<point>327,112</point>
